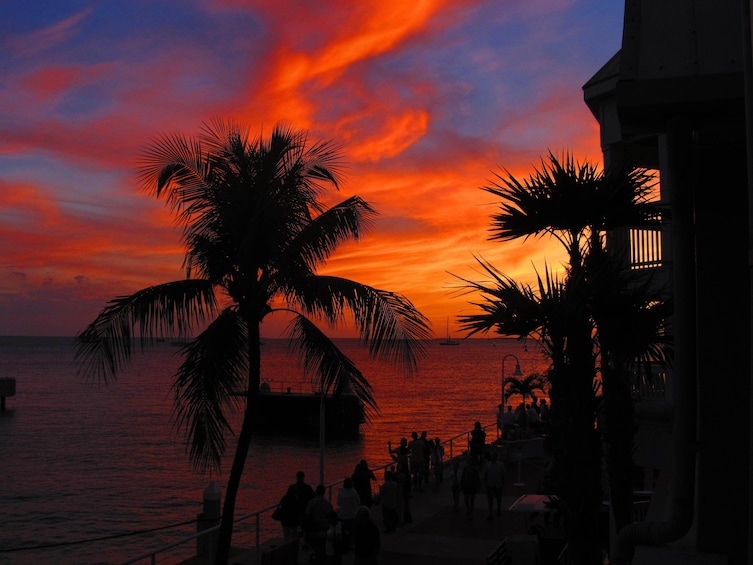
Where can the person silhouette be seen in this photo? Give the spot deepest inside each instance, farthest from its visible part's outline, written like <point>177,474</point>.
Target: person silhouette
<point>389,494</point>
<point>417,448</point>
<point>289,514</point>
<point>362,477</point>
<point>478,442</point>
<point>437,461</point>
<point>367,541</point>
<point>316,523</point>
<point>470,482</point>
<point>455,484</point>
<point>500,421</point>
<point>303,493</point>
<point>334,539</point>
<point>348,502</point>
<point>495,476</point>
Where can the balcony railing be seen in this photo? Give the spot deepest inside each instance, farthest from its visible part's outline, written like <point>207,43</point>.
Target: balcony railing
<point>645,248</point>
<point>649,384</point>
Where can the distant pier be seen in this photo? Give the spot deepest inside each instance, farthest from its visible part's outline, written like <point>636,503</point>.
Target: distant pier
<point>298,413</point>
<point>7,388</point>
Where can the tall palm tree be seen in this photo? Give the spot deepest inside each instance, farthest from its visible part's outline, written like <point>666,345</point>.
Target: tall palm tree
<point>552,313</point>
<point>255,233</point>
<point>577,204</point>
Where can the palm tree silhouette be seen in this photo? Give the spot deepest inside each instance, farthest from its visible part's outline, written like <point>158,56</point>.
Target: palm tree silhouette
<point>580,319</point>
<point>525,387</point>
<point>255,233</point>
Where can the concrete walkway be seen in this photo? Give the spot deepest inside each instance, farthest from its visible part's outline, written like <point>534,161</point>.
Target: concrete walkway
<point>439,535</point>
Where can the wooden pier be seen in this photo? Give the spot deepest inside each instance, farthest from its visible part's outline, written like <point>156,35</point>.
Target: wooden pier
<point>7,388</point>
<point>298,414</point>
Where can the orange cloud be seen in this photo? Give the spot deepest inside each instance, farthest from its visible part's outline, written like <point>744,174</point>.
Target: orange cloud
<point>427,99</point>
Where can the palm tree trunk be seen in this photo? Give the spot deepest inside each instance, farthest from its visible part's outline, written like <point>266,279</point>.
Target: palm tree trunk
<point>228,509</point>
<point>244,442</point>
<point>576,445</point>
<point>618,432</point>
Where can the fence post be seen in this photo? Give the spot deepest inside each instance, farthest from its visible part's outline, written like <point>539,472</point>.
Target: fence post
<point>207,545</point>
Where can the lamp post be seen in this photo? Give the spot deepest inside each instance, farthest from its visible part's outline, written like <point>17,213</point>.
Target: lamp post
<point>516,373</point>
<point>322,424</point>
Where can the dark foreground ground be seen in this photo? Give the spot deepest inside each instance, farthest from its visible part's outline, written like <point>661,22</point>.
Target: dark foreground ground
<point>439,535</point>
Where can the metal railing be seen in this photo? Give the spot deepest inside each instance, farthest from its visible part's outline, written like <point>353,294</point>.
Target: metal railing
<point>450,444</point>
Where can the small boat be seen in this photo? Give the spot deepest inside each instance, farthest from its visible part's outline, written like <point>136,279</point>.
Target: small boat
<point>449,340</point>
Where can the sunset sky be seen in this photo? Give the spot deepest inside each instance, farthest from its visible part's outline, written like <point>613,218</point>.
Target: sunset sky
<point>427,98</point>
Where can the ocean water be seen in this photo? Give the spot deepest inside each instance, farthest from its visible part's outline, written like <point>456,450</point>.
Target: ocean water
<point>95,473</point>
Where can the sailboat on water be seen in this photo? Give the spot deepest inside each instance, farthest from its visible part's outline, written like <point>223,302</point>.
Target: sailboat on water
<point>449,340</point>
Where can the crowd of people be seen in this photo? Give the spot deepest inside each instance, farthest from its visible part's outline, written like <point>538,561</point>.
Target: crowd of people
<point>533,416</point>
<point>306,514</point>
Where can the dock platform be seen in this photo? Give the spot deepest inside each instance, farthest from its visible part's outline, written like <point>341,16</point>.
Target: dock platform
<point>7,388</point>
<point>438,535</point>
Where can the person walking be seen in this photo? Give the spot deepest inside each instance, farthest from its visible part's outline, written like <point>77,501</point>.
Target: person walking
<point>470,482</point>
<point>288,514</point>
<point>455,484</point>
<point>316,523</point>
<point>478,442</point>
<point>303,493</point>
<point>333,545</point>
<point>389,493</point>
<point>367,541</point>
<point>495,477</point>
<point>348,502</point>
<point>428,445</point>
<point>437,461</point>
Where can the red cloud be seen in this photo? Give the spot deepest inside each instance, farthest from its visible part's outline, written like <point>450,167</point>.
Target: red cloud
<point>425,106</point>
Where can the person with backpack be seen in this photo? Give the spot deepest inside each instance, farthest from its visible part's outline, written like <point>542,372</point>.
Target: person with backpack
<point>303,492</point>
<point>287,513</point>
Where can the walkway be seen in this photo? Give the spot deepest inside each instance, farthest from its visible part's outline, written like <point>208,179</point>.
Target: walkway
<point>441,536</point>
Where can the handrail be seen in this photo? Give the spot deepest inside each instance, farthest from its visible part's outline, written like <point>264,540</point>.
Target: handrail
<point>257,513</point>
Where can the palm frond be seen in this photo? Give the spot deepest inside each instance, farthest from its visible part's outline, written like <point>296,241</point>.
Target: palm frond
<point>324,162</point>
<point>624,200</point>
<point>335,372</point>
<point>175,167</point>
<point>162,310</point>
<point>555,198</point>
<point>388,322</point>
<point>566,199</point>
<point>630,313</point>
<point>214,368</point>
<point>303,169</point>
<point>219,134</point>
<point>506,306</point>
<point>313,245</point>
